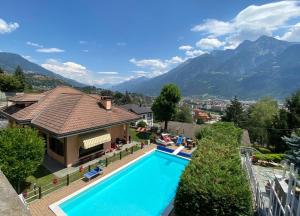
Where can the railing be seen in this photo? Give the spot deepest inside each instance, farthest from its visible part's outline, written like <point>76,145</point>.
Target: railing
<point>39,191</point>
<point>257,197</point>
<point>274,202</point>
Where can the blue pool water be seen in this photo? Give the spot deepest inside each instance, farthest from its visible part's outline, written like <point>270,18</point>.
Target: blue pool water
<point>146,187</point>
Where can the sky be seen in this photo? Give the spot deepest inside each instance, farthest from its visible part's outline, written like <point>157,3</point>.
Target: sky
<point>107,42</point>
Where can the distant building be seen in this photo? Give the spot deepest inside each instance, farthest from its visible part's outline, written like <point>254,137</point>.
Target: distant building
<point>198,114</point>
<point>144,112</point>
<point>187,129</point>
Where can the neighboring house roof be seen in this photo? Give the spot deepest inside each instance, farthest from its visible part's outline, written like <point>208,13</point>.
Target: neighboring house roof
<point>137,108</point>
<point>26,98</point>
<point>200,114</point>
<point>10,203</point>
<point>187,129</point>
<point>64,111</point>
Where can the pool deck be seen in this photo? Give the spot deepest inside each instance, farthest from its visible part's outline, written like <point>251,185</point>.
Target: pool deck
<point>41,206</point>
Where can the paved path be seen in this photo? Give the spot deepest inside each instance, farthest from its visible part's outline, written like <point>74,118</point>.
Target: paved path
<point>41,207</point>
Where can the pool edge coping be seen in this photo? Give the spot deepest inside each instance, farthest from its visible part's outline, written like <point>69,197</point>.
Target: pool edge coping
<point>54,207</point>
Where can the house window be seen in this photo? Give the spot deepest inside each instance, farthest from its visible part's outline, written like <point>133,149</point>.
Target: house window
<point>56,146</point>
<point>149,115</point>
<point>84,152</point>
<point>144,117</point>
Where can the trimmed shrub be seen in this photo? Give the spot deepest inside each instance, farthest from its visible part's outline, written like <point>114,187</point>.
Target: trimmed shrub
<point>214,182</point>
<point>263,150</point>
<point>277,158</point>
<point>142,124</point>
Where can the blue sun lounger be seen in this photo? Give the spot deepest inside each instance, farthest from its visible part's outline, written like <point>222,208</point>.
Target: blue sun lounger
<point>179,140</point>
<point>93,173</point>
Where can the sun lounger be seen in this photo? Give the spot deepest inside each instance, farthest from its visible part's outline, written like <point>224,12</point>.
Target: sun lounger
<point>179,140</point>
<point>167,140</point>
<point>93,173</point>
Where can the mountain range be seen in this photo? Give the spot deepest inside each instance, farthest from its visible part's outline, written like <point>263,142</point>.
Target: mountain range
<point>264,67</point>
<point>9,62</point>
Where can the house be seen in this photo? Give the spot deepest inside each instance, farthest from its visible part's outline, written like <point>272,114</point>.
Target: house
<point>187,129</point>
<point>144,112</point>
<point>76,126</point>
<point>198,114</point>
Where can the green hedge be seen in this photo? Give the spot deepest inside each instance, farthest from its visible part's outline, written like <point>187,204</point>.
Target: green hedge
<point>263,150</point>
<point>214,182</point>
<point>277,158</point>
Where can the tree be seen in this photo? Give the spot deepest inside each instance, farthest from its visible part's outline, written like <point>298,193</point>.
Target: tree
<point>184,115</point>
<point>9,83</point>
<point>293,155</point>
<point>261,116</point>
<point>279,129</point>
<point>21,152</point>
<point>199,121</point>
<point>19,74</point>
<point>165,105</point>
<point>234,112</point>
<point>1,71</point>
<point>142,124</point>
<point>293,106</point>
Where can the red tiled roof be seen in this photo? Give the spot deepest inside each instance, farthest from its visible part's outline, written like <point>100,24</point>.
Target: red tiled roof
<point>26,97</point>
<point>65,110</point>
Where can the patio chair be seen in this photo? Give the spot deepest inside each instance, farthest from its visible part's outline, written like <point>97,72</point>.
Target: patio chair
<point>97,171</point>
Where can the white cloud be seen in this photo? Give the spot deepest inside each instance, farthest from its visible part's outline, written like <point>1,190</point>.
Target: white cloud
<point>43,49</point>
<point>153,64</point>
<point>50,50</point>
<point>174,60</point>
<point>121,44</point>
<point>293,34</point>
<point>29,43</point>
<point>7,27</point>
<point>252,22</point>
<point>82,42</point>
<point>209,43</point>
<point>194,53</point>
<point>79,72</point>
<point>108,72</point>
<point>85,50</point>
<point>185,47</point>
<point>213,26</point>
<point>157,66</point>
<point>67,69</point>
<point>140,72</point>
<point>29,58</point>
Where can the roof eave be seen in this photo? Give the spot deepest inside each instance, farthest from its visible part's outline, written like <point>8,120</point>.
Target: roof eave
<point>19,121</point>
<point>86,130</point>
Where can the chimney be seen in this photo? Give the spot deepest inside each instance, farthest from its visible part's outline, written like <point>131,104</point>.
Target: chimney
<point>106,102</point>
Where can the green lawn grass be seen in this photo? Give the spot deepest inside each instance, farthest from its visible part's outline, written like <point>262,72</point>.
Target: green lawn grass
<point>41,177</point>
<point>137,136</point>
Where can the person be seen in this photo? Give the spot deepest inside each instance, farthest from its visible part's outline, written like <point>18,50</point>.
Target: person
<point>129,139</point>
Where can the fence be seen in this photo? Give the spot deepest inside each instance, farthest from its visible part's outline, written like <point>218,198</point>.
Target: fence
<point>276,201</point>
<point>39,191</point>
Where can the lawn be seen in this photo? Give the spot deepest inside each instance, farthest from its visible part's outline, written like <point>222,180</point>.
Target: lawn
<point>137,136</point>
<point>41,177</point>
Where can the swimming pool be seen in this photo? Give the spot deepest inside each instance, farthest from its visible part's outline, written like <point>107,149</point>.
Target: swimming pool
<point>146,187</point>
